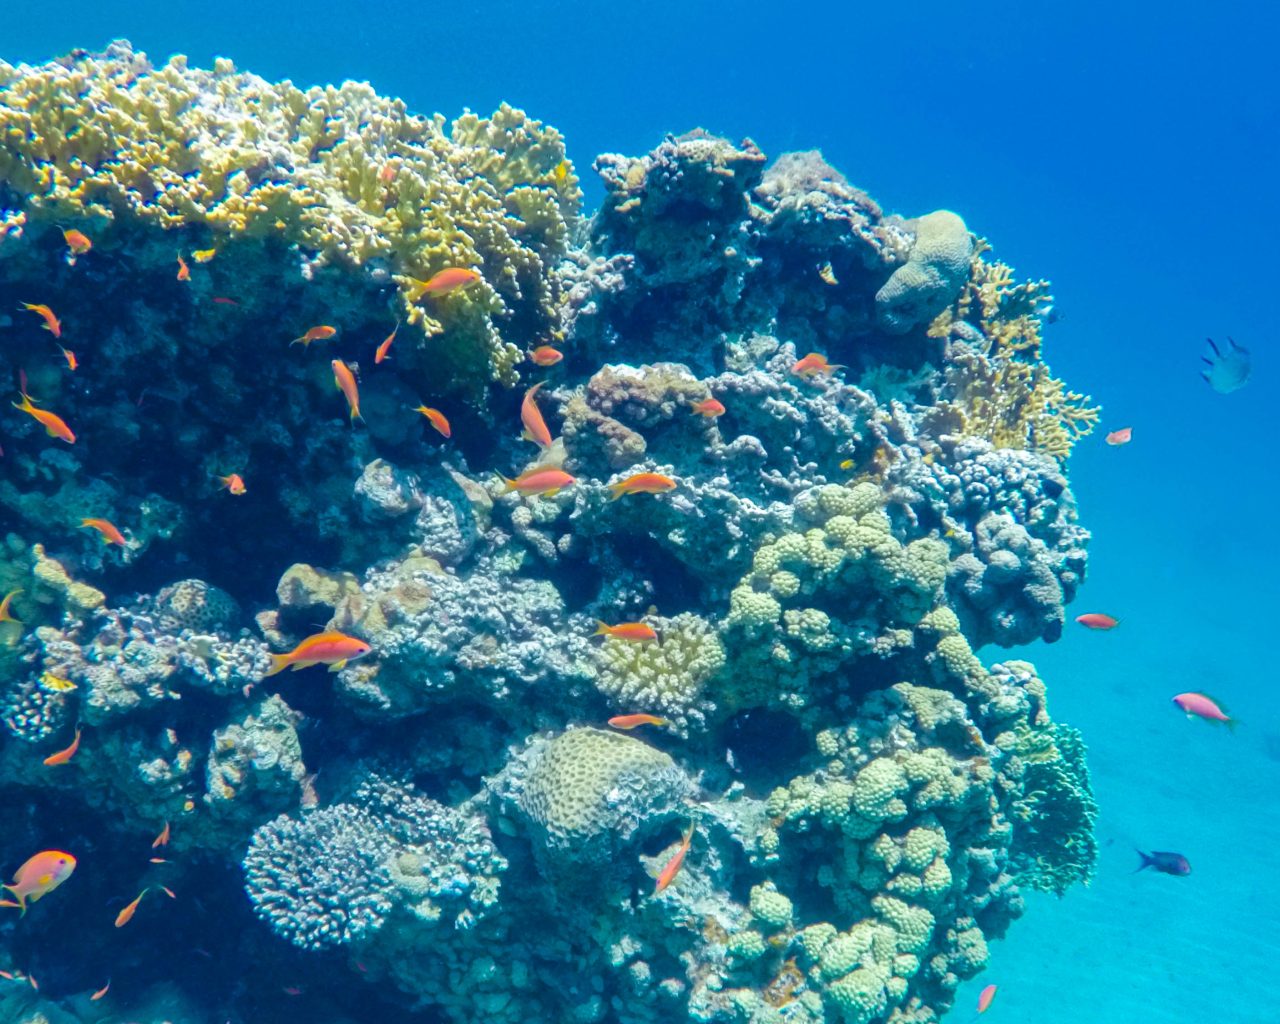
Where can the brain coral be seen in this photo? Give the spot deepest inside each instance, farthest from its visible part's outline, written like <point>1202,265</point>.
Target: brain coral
<point>588,791</point>
<point>932,277</point>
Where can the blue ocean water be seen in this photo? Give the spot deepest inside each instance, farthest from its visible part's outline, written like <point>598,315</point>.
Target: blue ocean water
<point>1127,154</point>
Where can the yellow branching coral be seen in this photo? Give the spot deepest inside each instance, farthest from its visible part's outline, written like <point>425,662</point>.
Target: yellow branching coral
<point>996,382</point>
<point>346,175</point>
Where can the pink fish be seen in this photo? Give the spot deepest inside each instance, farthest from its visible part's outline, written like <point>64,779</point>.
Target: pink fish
<point>1201,706</point>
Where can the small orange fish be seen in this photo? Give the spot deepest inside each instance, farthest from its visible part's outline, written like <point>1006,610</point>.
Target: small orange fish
<point>985,997</point>
<point>346,381</point>
<point>168,892</point>
<point>447,280</point>
<point>54,425</point>
<point>126,915</point>
<point>101,992</point>
<point>39,876</point>
<point>184,274</point>
<point>545,355</point>
<point>233,483</point>
<point>224,301</point>
<point>1203,706</point>
<point>385,347</point>
<point>709,407</point>
<point>162,839</point>
<point>70,357</point>
<point>322,333</point>
<point>634,631</point>
<point>436,418</point>
<point>63,756</point>
<point>156,860</point>
<point>814,363</point>
<point>5,614</point>
<point>110,535</point>
<point>387,174</point>
<point>204,255</point>
<point>540,480</point>
<point>535,427</point>
<point>1122,436</point>
<point>641,483</point>
<point>672,869</point>
<point>330,648</point>
<point>51,322</point>
<point>632,721</point>
<point>77,241</point>
<point>1097,620</point>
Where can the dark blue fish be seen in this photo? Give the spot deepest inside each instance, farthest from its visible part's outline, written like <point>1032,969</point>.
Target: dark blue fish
<point>1228,371</point>
<point>1164,862</point>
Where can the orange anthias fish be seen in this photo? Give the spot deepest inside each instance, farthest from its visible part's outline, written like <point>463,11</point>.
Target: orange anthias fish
<point>51,322</point>
<point>985,997</point>
<point>632,721</point>
<point>77,242</point>
<point>813,364</point>
<point>346,381</point>
<point>101,992</point>
<point>709,407</point>
<point>535,427</point>
<point>70,357</point>
<point>540,480</point>
<point>322,333</point>
<point>126,915</point>
<point>163,838</point>
<point>110,535</point>
<point>674,865</point>
<point>1201,705</point>
<point>436,418</point>
<point>641,483</point>
<point>545,355</point>
<point>5,614</point>
<point>634,631</point>
<point>54,425</point>
<point>184,274</point>
<point>447,280</point>
<point>330,648</point>
<point>1122,436</point>
<point>1097,620</point>
<point>385,347</point>
<point>39,876</point>
<point>63,756</point>
<point>233,483</point>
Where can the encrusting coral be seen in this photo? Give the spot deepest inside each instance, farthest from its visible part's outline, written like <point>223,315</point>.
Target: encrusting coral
<point>828,801</point>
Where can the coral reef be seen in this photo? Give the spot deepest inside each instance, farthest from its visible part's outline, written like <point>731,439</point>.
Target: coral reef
<point>829,805</point>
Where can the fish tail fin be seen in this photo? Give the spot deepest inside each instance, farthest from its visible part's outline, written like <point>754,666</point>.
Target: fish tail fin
<point>616,491</point>
<point>509,484</point>
<point>21,904</point>
<point>1146,861</point>
<point>602,628</point>
<point>25,405</point>
<point>279,662</point>
<point>1231,724</point>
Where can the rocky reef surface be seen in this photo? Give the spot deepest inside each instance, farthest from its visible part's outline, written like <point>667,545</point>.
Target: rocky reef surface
<point>447,827</point>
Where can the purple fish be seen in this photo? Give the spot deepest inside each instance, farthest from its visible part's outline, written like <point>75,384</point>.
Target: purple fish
<point>1164,862</point>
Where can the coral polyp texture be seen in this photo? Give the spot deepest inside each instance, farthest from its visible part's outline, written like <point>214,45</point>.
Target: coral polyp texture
<point>784,783</point>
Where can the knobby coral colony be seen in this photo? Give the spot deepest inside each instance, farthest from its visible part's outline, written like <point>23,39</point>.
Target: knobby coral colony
<point>449,816</point>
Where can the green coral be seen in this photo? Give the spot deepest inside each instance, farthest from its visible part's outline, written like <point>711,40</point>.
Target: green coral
<point>817,598</point>
<point>346,175</point>
<point>665,677</point>
<point>1054,846</point>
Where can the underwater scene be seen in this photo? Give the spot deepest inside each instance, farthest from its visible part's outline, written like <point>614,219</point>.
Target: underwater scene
<point>684,513</point>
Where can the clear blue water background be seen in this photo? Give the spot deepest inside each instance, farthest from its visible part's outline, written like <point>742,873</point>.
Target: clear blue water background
<point>1130,155</point>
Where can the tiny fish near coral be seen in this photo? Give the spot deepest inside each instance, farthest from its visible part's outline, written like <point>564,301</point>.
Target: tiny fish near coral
<point>1122,436</point>
<point>709,408</point>
<point>1097,620</point>
<point>330,648</point>
<point>51,322</point>
<point>5,614</point>
<point>110,534</point>
<point>545,355</point>
<point>447,280</point>
<point>322,333</point>
<point>233,483</point>
<point>633,631</point>
<point>54,425</point>
<point>813,364</point>
<point>634,721</point>
<point>63,756</point>
<point>184,272</point>
<point>668,873</point>
<point>539,480</point>
<point>535,427</point>
<point>985,997</point>
<point>436,418</point>
<point>641,483</point>
<point>382,354</point>
<point>346,382</point>
<point>77,243</point>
